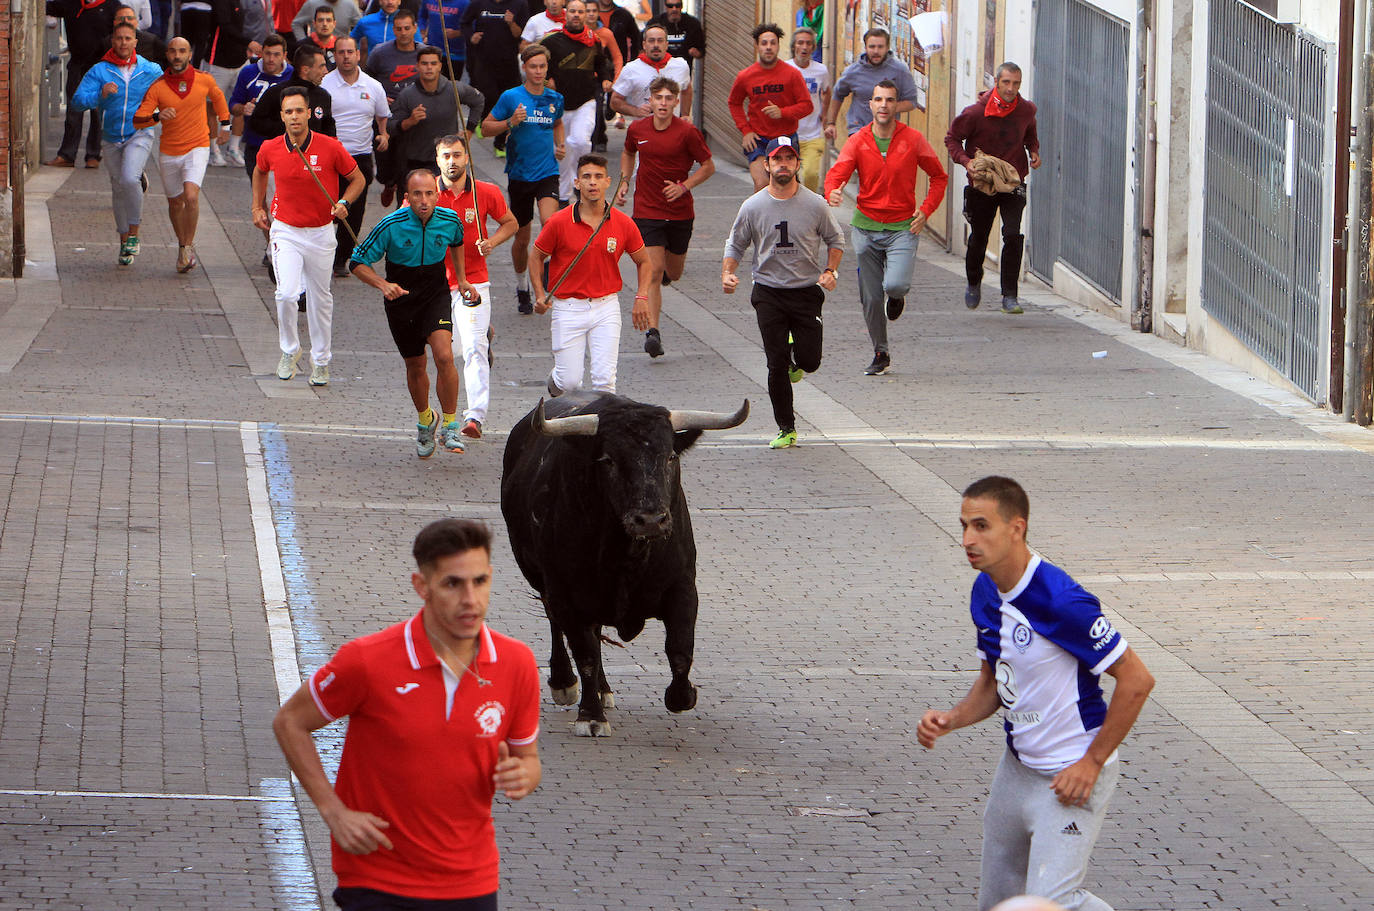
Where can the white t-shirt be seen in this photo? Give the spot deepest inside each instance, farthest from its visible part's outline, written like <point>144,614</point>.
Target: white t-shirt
<point>818,79</point>
<point>355,105</point>
<point>635,77</point>
<point>538,26</point>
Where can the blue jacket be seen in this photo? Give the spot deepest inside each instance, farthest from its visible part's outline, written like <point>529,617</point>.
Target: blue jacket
<point>117,111</point>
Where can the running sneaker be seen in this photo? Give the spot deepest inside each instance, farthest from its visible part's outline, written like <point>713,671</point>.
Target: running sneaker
<point>895,306</point>
<point>451,437</point>
<point>973,296</point>
<point>526,303</point>
<point>1010,304</point>
<point>217,157</point>
<point>795,373</point>
<point>499,152</point>
<point>785,439</point>
<point>653,343</point>
<point>234,157</point>
<point>472,429</point>
<point>126,252</point>
<point>881,361</point>
<point>286,367</point>
<point>319,375</point>
<point>134,246</point>
<point>424,437</point>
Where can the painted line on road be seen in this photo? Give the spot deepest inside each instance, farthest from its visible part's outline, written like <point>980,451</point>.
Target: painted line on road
<point>139,795</point>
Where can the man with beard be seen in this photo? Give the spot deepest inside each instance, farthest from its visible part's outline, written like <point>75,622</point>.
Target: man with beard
<point>790,228</point>
<point>767,100</point>
<point>177,101</point>
<point>395,64</point>
<point>428,109</point>
<point>630,93</point>
<point>686,37</point>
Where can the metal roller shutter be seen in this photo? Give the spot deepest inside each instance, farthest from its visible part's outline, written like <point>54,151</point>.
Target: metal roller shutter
<point>729,49</point>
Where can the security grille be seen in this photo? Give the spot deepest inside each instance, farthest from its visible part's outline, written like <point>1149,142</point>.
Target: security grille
<point>1265,199</point>
<point>1078,196</point>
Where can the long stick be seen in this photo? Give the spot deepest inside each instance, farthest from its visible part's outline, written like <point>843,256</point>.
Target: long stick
<point>605,217</point>
<point>462,128</point>
<point>311,171</point>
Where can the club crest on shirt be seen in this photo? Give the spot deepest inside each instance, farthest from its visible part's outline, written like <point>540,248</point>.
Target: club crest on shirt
<point>319,112</point>
<point>181,87</point>
<point>489,716</point>
<point>469,215</point>
<point>1021,637</point>
<point>315,162</point>
<point>610,244</point>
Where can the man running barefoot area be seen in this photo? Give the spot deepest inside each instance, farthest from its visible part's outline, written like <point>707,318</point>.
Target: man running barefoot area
<point>476,203</point>
<point>418,241</point>
<point>301,228</point>
<point>533,115</point>
<point>666,147</point>
<point>791,229</point>
<point>177,101</point>
<point>584,292</point>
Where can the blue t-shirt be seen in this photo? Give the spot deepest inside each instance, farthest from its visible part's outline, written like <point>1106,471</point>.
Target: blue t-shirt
<point>251,83</point>
<point>1047,643</point>
<point>529,151</point>
<point>435,13</point>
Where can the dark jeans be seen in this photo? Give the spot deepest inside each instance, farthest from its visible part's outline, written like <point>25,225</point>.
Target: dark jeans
<point>780,312</point>
<point>71,127</point>
<point>343,240</point>
<point>979,211</point>
<point>454,69</point>
<point>603,108</point>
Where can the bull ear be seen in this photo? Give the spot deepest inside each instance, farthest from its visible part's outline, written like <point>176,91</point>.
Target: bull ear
<point>683,440</point>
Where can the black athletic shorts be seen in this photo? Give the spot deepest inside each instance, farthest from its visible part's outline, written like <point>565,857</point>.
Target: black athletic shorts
<point>355,898</point>
<point>673,235</point>
<point>413,320</point>
<point>524,194</point>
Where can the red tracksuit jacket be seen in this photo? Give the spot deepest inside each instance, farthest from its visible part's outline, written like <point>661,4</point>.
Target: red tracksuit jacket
<point>887,187</point>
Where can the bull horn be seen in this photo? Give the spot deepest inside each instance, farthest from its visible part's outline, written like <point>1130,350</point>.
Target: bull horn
<point>577,425</point>
<point>708,420</point>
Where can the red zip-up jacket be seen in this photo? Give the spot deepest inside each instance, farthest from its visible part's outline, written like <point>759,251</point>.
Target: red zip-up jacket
<point>781,84</point>
<point>887,186</point>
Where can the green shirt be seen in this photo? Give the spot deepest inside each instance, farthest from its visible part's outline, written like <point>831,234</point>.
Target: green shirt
<point>862,221</point>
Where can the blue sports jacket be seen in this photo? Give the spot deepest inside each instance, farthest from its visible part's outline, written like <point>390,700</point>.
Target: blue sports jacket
<point>117,111</point>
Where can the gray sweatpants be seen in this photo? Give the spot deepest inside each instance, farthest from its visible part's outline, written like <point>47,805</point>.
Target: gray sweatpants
<point>1033,844</point>
<point>886,260</point>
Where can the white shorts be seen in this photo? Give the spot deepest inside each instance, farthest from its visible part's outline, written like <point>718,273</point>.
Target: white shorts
<point>178,170</point>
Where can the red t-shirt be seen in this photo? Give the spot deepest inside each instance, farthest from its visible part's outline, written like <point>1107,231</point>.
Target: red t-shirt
<point>664,155</point>
<point>493,207</point>
<point>428,775</point>
<point>298,200</point>
<point>598,272</point>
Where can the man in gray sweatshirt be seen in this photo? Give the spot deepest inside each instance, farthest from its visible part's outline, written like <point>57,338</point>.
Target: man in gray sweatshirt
<point>426,111</point>
<point>792,231</point>
<point>859,78</point>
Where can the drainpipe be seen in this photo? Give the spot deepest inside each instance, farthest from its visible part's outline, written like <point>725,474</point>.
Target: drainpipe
<point>1142,310</point>
<point>18,150</point>
<point>1340,231</point>
<point>1359,387</point>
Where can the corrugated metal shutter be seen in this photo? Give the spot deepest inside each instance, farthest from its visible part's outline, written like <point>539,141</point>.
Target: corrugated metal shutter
<point>729,49</point>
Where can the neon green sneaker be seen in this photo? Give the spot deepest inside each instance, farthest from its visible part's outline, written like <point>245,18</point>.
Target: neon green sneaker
<point>785,439</point>
<point>795,373</point>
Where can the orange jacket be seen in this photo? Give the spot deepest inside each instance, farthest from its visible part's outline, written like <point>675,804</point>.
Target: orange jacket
<point>186,93</point>
<point>887,187</point>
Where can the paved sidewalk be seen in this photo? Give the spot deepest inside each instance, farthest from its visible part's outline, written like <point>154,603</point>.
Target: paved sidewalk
<point>183,534</point>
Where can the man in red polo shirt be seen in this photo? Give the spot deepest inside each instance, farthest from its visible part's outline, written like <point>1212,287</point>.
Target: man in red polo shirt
<point>443,712</point>
<point>301,233</point>
<point>586,310</point>
<point>477,202</point>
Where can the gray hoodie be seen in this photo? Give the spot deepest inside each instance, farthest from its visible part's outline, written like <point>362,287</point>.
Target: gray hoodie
<point>441,116</point>
<point>858,80</point>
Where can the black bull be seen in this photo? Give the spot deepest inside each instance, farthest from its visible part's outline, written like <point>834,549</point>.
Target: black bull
<point>593,502</point>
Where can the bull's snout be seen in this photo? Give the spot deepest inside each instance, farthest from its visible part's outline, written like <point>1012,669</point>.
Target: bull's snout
<point>648,524</point>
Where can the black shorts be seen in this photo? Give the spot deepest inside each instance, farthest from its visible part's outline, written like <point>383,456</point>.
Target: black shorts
<point>358,899</point>
<point>524,193</point>
<point>673,235</point>
<point>412,321</point>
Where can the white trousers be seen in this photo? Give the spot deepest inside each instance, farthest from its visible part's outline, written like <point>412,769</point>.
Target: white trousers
<point>471,325</point>
<point>585,329</point>
<point>304,254</point>
<point>577,126</point>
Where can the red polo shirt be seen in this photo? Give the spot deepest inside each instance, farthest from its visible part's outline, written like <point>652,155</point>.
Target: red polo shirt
<point>597,274</point>
<point>299,202</point>
<point>428,775</point>
<point>493,207</point>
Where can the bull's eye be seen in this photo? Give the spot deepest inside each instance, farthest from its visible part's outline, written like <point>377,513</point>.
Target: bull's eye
<point>604,460</point>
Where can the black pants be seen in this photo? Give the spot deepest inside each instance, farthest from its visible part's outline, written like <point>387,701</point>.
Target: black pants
<point>780,312</point>
<point>979,211</point>
<point>454,69</point>
<point>198,28</point>
<point>358,899</point>
<point>344,241</point>
<point>71,127</point>
<point>603,109</point>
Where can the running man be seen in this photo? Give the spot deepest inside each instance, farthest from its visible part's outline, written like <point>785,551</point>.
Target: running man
<point>819,83</point>
<point>580,66</point>
<point>790,229</point>
<point>889,156</point>
<point>666,148</point>
<point>586,311</point>
<point>472,316</point>
<point>409,831</point>
<point>301,230</point>
<point>1044,644</point>
<point>630,93</point>
<point>177,101</point>
<point>360,116</point>
<point>418,241</point>
<point>533,115</point>
<point>767,100</point>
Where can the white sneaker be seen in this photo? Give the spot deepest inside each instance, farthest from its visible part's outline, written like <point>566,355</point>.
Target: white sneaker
<point>286,367</point>
<point>234,157</point>
<point>217,157</point>
<point>319,375</point>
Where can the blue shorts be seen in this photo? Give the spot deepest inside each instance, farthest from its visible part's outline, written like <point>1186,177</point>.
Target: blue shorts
<point>762,146</point>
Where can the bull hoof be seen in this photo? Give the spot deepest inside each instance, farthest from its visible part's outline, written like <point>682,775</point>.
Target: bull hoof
<point>592,728</point>
<point>608,700</point>
<point>566,696</point>
<point>681,700</point>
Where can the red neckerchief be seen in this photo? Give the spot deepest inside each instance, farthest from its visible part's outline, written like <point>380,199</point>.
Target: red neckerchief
<point>320,41</point>
<point>996,107</point>
<point>656,66</point>
<point>559,16</point>
<point>585,36</point>
<point>181,83</point>
<point>110,57</point>
<point>89,4</point>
